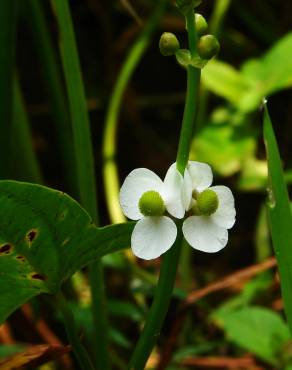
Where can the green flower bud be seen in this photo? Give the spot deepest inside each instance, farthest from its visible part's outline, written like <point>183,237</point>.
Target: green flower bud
<point>168,44</point>
<point>151,204</point>
<point>208,46</point>
<point>201,24</point>
<point>207,202</point>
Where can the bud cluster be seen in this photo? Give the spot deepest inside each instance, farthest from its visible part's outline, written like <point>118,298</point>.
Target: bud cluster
<point>207,44</point>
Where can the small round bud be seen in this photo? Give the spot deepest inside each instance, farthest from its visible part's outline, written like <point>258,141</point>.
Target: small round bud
<point>201,24</point>
<point>207,202</point>
<point>151,204</point>
<point>168,44</point>
<point>208,46</point>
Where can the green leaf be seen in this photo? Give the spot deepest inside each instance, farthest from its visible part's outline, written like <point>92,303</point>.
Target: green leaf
<point>184,58</point>
<point>279,213</point>
<point>224,80</point>
<point>274,70</point>
<point>45,236</point>
<point>224,147</point>
<point>257,330</point>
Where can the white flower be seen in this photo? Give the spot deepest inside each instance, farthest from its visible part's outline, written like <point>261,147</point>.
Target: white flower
<point>145,197</point>
<point>212,208</point>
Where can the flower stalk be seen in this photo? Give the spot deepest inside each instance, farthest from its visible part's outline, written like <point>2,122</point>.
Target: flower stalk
<point>163,292</point>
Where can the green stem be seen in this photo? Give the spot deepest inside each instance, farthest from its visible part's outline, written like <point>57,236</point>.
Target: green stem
<point>110,171</point>
<point>72,333</point>
<point>85,167</point>
<point>220,9</point>
<point>159,308</point>
<point>7,51</point>
<point>164,289</point>
<point>193,82</point>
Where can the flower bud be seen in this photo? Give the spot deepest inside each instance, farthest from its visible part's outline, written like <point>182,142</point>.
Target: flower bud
<point>208,46</point>
<point>151,204</point>
<point>201,24</point>
<point>168,44</point>
<point>207,202</point>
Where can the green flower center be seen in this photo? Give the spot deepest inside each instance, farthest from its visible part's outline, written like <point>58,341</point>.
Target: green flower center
<point>151,204</point>
<point>207,202</point>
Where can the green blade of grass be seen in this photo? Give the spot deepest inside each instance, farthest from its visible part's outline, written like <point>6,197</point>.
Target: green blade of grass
<point>24,161</point>
<point>85,167</point>
<point>280,217</point>
<point>52,78</point>
<point>7,49</point>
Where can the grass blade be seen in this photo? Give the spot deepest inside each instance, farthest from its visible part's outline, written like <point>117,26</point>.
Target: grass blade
<point>24,161</point>
<point>7,50</point>
<point>85,166</point>
<point>280,217</point>
<point>54,88</point>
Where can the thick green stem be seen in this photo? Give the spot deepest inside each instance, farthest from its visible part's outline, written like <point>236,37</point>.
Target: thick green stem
<point>159,308</point>
<point>85,166</point>
<point>72,333</point>
<point>170,260</point>
<point>110,171</point>
<point>191,104</point>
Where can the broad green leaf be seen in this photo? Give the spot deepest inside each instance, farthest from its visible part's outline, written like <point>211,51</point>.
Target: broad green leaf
<point>224,80</point>
<point>256,329</point>
<point>45,236</point>
<point>224,147</point>
<point>274,70</point>
<point>279,213</point>
<point>258,78</point>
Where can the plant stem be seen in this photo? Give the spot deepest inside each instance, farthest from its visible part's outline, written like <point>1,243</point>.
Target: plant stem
<point>191,104</point>
<point>110,171</point>
<point>159,308</point>
<point>170,260</point>
<point>72,333</point>
<point>85,167</point>
<point>221,7</point>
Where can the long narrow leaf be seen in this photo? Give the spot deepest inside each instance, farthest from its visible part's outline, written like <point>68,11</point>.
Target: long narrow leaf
<point>7,49</point>
<point>280,217</point>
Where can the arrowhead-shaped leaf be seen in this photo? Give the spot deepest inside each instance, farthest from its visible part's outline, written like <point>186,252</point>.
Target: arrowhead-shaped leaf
<point>45,236</point>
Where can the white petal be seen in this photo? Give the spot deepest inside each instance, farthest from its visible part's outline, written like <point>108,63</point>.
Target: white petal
<point>201,175</point>
<point>187,190</point>
<point>203,234</point>
<point>153,236</point>
<point>173,192</point>
<point>135,185</point>
<point>225,213</point>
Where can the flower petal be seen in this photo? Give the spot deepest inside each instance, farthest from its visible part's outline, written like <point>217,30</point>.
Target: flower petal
<point>173,190</point>
<point>225,213</point>
<point>203,234</point>
<point>201,175</point>
<point>135,185</point>
<point>187,190</point>
<point>153,236</point>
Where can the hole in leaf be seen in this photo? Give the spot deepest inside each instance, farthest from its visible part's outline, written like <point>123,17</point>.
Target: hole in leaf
<point>31,235</point>
<point>20,258</point>
<point>37,276</point>
<point>5,249</point>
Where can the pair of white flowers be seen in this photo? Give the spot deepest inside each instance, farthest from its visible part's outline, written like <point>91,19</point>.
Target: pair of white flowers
<point>209,210</point>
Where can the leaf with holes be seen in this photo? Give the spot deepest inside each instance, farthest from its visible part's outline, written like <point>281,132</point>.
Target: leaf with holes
<point>45,236</point>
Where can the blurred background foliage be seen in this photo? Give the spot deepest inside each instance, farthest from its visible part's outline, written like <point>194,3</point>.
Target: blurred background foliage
<point>243,322</point>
